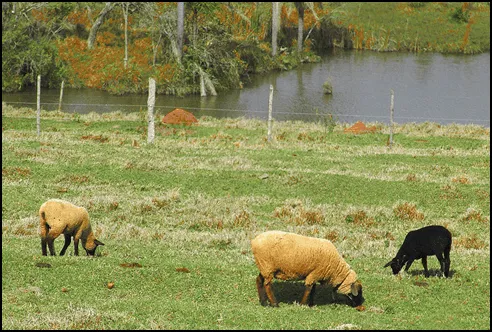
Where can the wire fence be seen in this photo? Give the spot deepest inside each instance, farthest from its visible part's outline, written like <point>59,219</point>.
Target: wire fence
<point>312,115</point>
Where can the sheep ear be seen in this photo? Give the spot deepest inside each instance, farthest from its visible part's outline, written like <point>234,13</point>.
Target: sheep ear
<point>354,289</point>
<point>388,264</point>
<point>99,243</point>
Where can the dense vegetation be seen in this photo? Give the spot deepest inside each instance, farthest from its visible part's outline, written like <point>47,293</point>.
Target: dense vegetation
<point>177,216</point>
<point>223,43</point>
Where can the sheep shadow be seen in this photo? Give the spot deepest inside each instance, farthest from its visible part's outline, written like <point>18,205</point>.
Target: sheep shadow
<point>290,292</point>
<point>432,273</point>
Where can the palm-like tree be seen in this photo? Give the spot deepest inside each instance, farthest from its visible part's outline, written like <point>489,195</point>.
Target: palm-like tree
<point>275,25</point>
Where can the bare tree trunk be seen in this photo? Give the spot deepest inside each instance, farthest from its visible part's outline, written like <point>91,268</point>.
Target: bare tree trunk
<point>180,30</point>
<point>206,83</point>
<point>203,92</point>
<point>275,26</point>
<point>97,24</point>
<point>195,26</point>
<point>126,5</point>
<point>300,26</point>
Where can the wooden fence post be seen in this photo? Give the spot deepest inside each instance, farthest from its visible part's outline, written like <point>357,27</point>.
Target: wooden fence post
<point>270,101</point>
<point>38,113</point>
<point>61,95</point>
<point>391,118</point>
<point>150,114</point>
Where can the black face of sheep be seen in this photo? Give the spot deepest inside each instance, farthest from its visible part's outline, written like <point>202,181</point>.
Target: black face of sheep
<point>423,242</point>
<point>355,298</point>
<point>396,264</point>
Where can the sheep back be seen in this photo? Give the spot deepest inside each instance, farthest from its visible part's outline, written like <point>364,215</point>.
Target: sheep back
<point>426,241</point>
<point>290,256</point>
<point>64,217</point>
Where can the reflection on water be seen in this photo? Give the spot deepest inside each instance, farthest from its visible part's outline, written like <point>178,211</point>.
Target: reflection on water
<point>428,87</point>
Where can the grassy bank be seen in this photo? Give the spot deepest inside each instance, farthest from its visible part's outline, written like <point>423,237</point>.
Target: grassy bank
<point>447,27</point>
<point>186,207</point>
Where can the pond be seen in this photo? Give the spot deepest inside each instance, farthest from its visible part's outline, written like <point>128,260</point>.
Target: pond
<point>427,87</point>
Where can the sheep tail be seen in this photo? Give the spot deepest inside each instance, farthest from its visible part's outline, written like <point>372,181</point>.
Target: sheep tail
<point>44,225</point>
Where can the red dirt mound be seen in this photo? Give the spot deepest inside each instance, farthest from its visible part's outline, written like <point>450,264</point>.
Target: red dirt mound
<point>178,116</point>
<point>360,128</point>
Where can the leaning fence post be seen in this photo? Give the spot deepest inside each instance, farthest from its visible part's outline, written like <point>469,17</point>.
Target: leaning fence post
<point>150,114</point>
<point>270,100</point>
<point>61,95</point>
<point>391,118</point>
<point>38,113</point>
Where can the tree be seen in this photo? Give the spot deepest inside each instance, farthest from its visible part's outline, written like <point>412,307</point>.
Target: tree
<point>28,49</point>
<point>196,8</point>
<point>125,6</point>
<point>97,24</point>
<point>301,6</point>
<point>300,25</point>
<point>275,26</point>
<point>180,30</point>
<point>150,21</point>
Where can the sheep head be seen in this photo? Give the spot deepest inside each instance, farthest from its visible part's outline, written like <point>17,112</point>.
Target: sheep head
<point>396,264</point>
<point>355,295</point>
<point>91,251</point>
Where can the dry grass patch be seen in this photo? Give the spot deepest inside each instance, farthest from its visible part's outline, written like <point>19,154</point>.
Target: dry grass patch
<point>27,227</point>
<point>407,211</point>
<point>76,178</point>
<point>16,172</point>
<point>295,212</point>
<point>469,242</point>
<point>461,179</point>
<point>473,215</point>
<point>98,138</point>
<point>359,218</point>
<point>333,236</point>
<point>483,194</point>
<point>450,192</point>
<point>242,219</point>
<point>411,177</point>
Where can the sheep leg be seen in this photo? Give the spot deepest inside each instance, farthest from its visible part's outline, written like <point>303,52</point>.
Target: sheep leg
<point>76,245</point>
<point>311,297</point>
<point>409,263</point>
<point>50,239</point>
<point>424,263</point>
<point>261,290</point>
<point>308,296</point>
<point>441,261</point>
<point>44,248</point>
<point>270,295</point>
<point>447,260</point>
<point>65,246</point>
<point>44,229</point>
<point>51,245</point>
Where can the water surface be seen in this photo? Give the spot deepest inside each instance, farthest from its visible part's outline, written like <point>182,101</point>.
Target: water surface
<point>427,87</point>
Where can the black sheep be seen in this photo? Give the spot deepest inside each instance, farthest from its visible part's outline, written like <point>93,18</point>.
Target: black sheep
<point>423,242</point>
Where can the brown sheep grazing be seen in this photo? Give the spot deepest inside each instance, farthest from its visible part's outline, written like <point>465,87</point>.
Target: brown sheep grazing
<point>57,217</point>
<point>290,256</point>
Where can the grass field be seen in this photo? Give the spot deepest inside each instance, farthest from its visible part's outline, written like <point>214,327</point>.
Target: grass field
<point>177,217</point>
<point>418,26</point>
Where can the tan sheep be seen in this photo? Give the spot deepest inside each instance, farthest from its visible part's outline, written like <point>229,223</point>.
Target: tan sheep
<point>290,256</point>
<point>57,217</point>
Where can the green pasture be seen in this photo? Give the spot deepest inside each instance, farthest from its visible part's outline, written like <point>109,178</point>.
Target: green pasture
<point>177,217</point>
